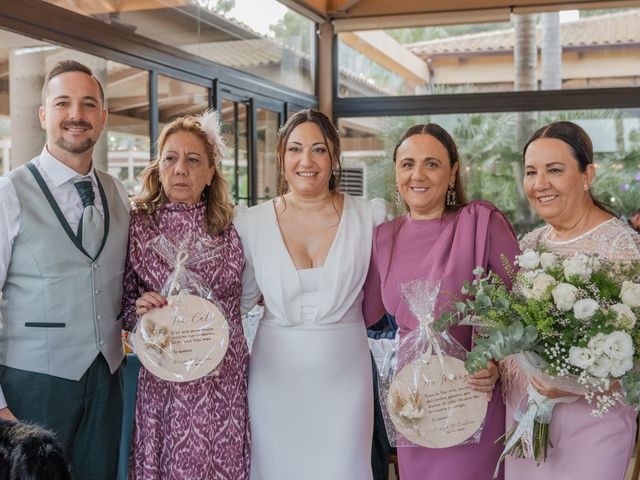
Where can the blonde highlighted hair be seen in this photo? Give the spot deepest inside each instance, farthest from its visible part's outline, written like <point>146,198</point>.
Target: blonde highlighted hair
<point>219,209</point>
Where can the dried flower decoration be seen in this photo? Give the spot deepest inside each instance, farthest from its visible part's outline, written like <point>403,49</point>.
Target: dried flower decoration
<point>155,338</point>
<point>409,410</point>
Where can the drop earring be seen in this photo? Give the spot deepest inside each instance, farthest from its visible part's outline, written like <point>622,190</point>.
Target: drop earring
<point>451,196</point>
<point>332,181</point>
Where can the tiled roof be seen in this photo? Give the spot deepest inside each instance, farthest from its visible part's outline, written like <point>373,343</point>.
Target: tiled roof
<point>239,53</point>
<point>614,29</point>
<point>243,54</point>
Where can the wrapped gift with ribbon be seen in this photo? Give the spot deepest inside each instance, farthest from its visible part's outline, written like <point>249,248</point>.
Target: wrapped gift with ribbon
<point>188,338</point>
<point>424,392</point>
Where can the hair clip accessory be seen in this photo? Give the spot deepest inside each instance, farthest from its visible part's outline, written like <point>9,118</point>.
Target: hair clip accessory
<point>210,124</point>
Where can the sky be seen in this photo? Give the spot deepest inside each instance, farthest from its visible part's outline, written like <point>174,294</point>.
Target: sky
<point>569,16</point>
<point>258,14</point>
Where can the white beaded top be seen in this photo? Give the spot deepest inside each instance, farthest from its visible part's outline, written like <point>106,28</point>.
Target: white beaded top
<point>611,240</point>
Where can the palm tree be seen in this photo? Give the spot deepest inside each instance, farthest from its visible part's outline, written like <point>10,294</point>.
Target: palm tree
<point>551,51</point>
<point>525,55</point>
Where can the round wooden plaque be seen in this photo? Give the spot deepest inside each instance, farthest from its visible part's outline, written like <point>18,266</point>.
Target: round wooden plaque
<point>432,409</point>
<point>182,341</point>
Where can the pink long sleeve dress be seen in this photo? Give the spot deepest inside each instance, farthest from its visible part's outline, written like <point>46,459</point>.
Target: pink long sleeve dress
<point>446,249</point>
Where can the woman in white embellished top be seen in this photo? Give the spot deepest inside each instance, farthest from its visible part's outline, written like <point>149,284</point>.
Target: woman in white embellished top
<point>307,251</point>
<point>559,170</point>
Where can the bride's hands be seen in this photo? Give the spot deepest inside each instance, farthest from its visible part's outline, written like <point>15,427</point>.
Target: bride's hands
<point>149,301</point>
<point>485,380</point>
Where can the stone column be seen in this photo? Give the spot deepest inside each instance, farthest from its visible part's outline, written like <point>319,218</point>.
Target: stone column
<point>26,76</point>
<point>324,75</point>
<point>99,68</point>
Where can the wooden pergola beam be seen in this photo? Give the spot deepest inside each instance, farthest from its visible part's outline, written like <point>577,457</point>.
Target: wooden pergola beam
<point>355,9</point>
<point>387,52</point>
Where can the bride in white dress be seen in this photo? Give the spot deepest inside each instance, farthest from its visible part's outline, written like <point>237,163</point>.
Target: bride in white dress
<point>307,251</point>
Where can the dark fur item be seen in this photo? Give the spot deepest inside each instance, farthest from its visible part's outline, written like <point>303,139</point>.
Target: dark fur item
<point>28,452</point>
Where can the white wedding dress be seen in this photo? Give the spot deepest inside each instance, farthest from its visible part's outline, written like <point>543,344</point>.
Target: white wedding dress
<point>310,384</point>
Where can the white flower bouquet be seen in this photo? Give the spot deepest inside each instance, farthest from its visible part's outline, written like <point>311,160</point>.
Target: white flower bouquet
<point>571,321</point>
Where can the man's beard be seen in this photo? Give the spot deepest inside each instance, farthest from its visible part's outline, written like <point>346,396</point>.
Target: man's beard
<point>73,147</point>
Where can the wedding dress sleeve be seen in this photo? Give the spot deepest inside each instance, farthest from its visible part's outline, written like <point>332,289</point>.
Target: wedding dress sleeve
<point>250,291</point>
<point>379,211</point>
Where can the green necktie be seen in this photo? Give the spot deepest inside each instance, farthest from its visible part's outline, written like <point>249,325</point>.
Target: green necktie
<point>91,226</point>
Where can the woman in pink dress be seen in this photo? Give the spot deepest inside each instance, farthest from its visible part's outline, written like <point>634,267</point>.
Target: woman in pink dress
<point>441,238</point>
<point>559,170</point>
<point>197,429</point>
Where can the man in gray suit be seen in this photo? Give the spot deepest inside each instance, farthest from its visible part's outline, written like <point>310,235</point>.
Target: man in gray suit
<point>63,241</point>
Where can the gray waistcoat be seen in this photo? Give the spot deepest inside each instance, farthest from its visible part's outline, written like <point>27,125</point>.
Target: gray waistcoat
<point>61,306</point>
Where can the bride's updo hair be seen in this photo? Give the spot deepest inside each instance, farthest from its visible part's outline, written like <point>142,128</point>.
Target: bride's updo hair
<point>578,141</point>
<point>330,136</point>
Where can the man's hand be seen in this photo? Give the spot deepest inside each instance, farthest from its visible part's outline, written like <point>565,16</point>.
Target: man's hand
<point>6,414</point>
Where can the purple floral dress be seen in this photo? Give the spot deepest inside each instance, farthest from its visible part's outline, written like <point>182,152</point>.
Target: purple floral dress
<point>197,429</point>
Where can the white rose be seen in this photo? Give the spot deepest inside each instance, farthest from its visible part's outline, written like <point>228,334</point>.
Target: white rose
<point>618,345</point>
<point>525,280</point>
<point>539,286</point>
<point>581,357</point>
<point>630,293</point>
<point>596,344</point>
<point>625,318</point>
<point>620,367</point>
<point>600,367</point>
<point>585,309</point>
<point>564,296</point>
<point>548,260</point>
<point>529,259</point>
<point>580,265</point>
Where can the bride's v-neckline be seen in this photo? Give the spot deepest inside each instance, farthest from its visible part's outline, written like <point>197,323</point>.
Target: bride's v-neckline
<point>283,244</point>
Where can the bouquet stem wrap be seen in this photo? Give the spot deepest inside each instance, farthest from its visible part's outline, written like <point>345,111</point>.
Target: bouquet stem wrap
<point>530,437</point>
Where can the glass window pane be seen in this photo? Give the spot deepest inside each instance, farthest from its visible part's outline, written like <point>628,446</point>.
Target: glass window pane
<point>234,165</point>
<point>548,51</point>
<point>177,98</point>
<point>490,154</point>
<point>267,166</point>
<point>266,38</point>
<point>128,123</point>
<point>123,148</point>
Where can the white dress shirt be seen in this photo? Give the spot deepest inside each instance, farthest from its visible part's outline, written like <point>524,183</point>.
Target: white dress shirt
<point>60,179</point>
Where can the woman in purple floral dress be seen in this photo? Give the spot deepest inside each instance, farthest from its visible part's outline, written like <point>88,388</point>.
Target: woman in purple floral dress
<point>197,429</point>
